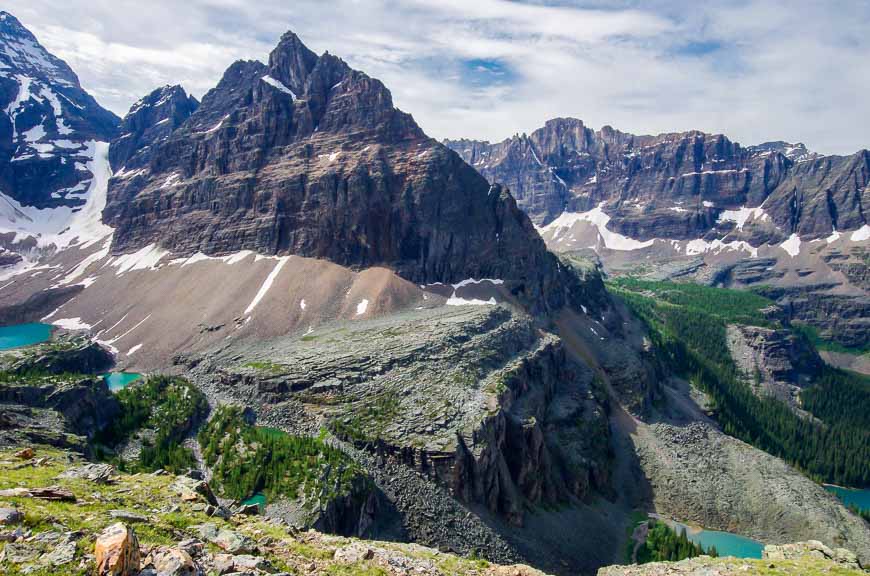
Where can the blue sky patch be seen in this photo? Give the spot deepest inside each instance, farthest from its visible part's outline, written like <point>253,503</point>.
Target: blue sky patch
<point>699,48</point>
<point>485,72</point>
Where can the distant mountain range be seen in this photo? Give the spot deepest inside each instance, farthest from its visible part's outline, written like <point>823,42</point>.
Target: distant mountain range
<point>679,185</point>
<point>774,217</point>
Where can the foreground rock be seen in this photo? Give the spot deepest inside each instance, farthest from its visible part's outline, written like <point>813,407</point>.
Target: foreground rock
<point>117,551</point>
<point>812,549</point>
<point>170,562</point>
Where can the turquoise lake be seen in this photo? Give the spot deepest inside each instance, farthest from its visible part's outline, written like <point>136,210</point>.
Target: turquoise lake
<point>258,499</point>
<point>23,335</point>
<point>726,544</point>
<point>859,498</point>
<point>119,380</point>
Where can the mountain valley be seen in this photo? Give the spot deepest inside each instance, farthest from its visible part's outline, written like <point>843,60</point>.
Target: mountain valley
<point>367,352</point>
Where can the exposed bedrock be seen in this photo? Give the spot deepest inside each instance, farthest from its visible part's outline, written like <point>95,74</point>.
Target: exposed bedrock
<point>775,363</point>
<point>475,398</point>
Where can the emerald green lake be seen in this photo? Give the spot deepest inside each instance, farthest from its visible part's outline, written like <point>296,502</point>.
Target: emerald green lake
<point>119,380</point>
<point>258,499</point>
<point>859,498</point>
<point>23,335</point>
<point>726,544</point>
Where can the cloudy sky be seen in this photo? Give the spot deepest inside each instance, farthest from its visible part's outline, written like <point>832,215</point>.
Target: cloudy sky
<point>753,69</point>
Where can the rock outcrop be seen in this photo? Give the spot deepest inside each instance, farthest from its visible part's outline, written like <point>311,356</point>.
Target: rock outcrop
<point>117,551</point>
<point>473,398</point>
<point>54,410</point>
<point>801,559</point>
<point>775,362</point>
<point>812,549</point>
<point>307,156</point>
<point>63,354</point>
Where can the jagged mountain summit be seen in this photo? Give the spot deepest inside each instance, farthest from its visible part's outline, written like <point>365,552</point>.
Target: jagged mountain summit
<point>52,143</point>
<point>150,120</point>
<point>307,156</point>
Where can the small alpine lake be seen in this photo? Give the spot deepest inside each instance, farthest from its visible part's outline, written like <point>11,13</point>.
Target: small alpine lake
<point>24,335</point>
<point>726,543</point>
<point>258,499</point>
<point>120,380</point>
<point>851,496</point>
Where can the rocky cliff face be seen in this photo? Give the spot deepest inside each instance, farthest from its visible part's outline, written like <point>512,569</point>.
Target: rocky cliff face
<point>307,156</point>
<point>775,362</point>
<point>678,186</point>
<point>66,353</point>
<point>54,410</point>
<point>47,123</point>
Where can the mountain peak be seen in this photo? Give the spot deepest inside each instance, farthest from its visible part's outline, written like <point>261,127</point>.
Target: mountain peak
<point>161,96</point>
<point>307,156</point>
<point>291,62</point>
<point>22,54</point>
<point>9,23</point>
<point>51,125</point>
<point>150,120</point>
<point>797,152</point>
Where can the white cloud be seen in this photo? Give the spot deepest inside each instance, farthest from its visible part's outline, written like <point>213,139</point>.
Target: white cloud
<point>756,70</point>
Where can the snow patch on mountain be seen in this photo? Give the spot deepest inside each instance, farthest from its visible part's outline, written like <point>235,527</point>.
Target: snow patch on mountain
<point>24,52</point>
<point>792,246</point>
<point>146,258</point>
<point>598,218</point>
<point>362,307</point>
<point>743,215</point>
<point>701,246</point>
<point>64,226</point>
<point>267,284</point>
<point>279,85</point>
<point>861,234</point>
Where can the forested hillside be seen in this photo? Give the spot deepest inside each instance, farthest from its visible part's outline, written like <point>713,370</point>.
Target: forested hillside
<point>688,323</point>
